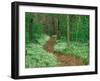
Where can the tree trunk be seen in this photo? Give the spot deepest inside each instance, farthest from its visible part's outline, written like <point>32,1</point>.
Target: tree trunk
<point>53,25</point>
<point>77,27</point>
<point>30,30</point>
<point>68,29</point>
<point>58,32</point>
<point>47,24</point>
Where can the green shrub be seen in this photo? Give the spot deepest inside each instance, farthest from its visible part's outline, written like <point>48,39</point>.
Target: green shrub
<point>37,57</point>
<point>80,50</point>
<point>43,39</point>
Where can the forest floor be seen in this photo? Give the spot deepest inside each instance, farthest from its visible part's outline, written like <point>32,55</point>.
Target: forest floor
<point>65,60</point>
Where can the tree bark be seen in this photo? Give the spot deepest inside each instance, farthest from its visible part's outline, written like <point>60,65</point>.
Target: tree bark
<point>47,24</point>
<point>58,32</point>
<point>53,25</point>
<point>77,27</point>
<point>30,30</point>
<point>68,29</point>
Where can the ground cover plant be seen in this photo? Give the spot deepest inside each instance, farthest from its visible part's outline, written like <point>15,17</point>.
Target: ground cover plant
<point>80,50</point>
<point>56,40</point>
<point>38,57</point>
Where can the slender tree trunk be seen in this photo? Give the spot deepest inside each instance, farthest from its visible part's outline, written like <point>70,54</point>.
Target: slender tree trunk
<point>77,27</point>
<point>36,18</point>
<point>68,30</point>
<point>53,25</point>
<point>58,28</point>
<point>47,24</point>
<point>30,30</point>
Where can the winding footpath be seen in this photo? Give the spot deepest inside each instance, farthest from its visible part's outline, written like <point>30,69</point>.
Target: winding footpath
<point>65,60</point>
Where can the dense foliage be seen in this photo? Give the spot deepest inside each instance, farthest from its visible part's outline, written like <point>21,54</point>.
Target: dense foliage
<point>37,57</point>
<point>66,27</point>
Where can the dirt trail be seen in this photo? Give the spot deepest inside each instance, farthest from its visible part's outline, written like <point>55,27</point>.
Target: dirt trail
<point>65,60</point>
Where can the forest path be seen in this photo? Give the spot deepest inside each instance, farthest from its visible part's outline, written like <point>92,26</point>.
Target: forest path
<point>65,60</point>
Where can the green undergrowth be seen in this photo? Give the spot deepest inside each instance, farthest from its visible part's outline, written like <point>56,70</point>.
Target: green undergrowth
<point>80,50</point>
<point>43,39</point>
<point>36,56</point>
